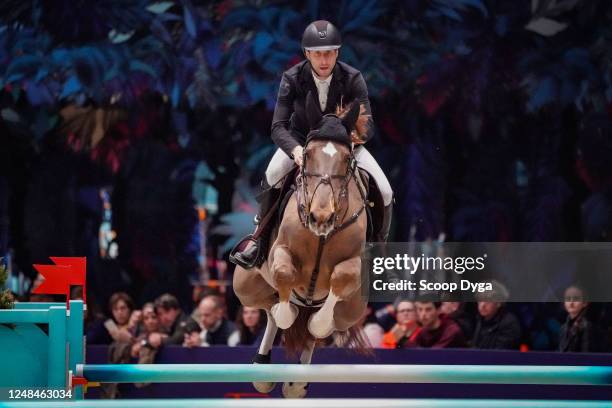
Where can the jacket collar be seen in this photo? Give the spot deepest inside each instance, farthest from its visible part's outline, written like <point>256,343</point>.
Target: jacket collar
<point>305,72</point>
<point>336,88</point>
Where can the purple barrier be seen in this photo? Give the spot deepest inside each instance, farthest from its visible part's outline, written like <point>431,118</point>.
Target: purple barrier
<point>98,355</point>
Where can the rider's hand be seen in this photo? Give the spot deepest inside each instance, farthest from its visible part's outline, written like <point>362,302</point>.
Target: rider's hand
<point>298,155</point>
<point>356,139</point>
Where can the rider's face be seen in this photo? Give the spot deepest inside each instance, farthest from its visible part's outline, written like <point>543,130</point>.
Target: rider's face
<point>322,61</point>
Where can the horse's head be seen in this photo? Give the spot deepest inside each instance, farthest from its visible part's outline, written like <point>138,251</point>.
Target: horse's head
<point>328,167</point>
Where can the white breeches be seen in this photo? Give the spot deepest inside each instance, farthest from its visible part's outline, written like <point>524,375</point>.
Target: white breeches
<point>281,164</point>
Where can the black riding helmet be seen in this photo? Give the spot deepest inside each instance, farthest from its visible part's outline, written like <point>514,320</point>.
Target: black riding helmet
<point>321,35</point>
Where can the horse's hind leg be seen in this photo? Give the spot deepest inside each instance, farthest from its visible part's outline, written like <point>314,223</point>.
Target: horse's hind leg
<point>252,289</point>
<point>344,282</point>
<point>284,276</point>
<point>299,389</point>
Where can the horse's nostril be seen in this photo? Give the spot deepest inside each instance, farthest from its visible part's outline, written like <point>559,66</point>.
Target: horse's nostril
<point>312,218</point>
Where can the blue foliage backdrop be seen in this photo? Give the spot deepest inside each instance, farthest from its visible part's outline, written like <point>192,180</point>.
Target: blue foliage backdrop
<point>493,117</point>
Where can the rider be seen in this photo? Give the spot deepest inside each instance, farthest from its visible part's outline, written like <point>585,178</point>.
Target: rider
<point>334,82</point>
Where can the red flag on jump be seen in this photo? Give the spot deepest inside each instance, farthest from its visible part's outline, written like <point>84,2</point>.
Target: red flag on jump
<point>59,277</point>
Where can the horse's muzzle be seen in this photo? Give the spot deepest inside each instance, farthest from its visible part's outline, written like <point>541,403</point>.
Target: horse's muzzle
<point>321,223</point>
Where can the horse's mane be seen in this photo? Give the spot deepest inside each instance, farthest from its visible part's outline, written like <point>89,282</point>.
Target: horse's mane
<point>361,125</point>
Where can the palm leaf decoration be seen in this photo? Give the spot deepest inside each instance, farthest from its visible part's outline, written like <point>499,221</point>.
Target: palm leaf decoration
<point>552,51</point>
<point>6,299</point>
<point>78,66</point>
<point>75,22</point>
<point>426,183</point>
<point>237,224</point>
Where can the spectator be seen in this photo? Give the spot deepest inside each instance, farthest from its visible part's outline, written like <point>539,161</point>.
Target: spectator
<point>121,329</point>
<point>370,336</point>
<point>149,324</point>
<point>579,333</point>
<point>216,329</point>
<point>449,307</point>
<point>141,349</point>
<point>458,313</point>
<point>385,316</point>
<point>496,328</point>
<point>437,331</point>
<point>122,324</point>
<point>371,329</point>
<point>250,324</point>
<point>172,320</point>
<point>199,293</point>
<point>406,327</point>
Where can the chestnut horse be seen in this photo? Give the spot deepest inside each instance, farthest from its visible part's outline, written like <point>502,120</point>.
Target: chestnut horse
<point>310,284</point>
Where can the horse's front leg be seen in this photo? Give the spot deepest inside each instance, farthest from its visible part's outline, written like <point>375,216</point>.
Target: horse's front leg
<point>299,389</point>
<point>284,276</point>
<point>264,354</point>
<point>345,280</point>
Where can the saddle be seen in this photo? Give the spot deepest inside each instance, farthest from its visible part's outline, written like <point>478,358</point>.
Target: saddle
<point>376,205</point>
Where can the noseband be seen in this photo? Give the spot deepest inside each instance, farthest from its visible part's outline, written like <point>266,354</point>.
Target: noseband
<point>304,198</point>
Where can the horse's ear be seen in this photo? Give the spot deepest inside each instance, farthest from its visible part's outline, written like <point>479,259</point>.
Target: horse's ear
<point>313,111</point>
<point>351,116</point>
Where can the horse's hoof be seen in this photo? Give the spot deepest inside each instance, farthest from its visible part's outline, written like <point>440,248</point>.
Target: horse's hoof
<point>284,314</point>
<point>264,387</point>
<point>295,389</point>
<point>319,327</point>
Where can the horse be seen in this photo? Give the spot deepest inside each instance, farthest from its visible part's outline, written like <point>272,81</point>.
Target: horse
<point>310,283</point>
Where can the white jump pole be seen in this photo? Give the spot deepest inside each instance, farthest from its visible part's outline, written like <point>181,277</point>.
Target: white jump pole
<point>347,373</point>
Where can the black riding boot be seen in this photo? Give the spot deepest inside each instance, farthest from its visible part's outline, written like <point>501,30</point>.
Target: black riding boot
<point>383,232</point>
<point>247,258</point>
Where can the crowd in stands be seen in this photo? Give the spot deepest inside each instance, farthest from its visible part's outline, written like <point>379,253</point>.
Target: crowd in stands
<point>137,334</point>
<point>485,324</point>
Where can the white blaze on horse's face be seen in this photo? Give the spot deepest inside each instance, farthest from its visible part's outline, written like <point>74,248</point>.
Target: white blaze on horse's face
<point>321,204</point>
<point>330,149</point>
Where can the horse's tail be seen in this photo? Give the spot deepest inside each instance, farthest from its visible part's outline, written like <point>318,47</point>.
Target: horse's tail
<point>355,339</point>
<point>296,337</point>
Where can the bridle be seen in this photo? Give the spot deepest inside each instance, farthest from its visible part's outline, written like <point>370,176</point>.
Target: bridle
<point>304,203</point>
<point>305,199</point>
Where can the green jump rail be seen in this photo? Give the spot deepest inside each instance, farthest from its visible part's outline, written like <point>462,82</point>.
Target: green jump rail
<point>353,373</point>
